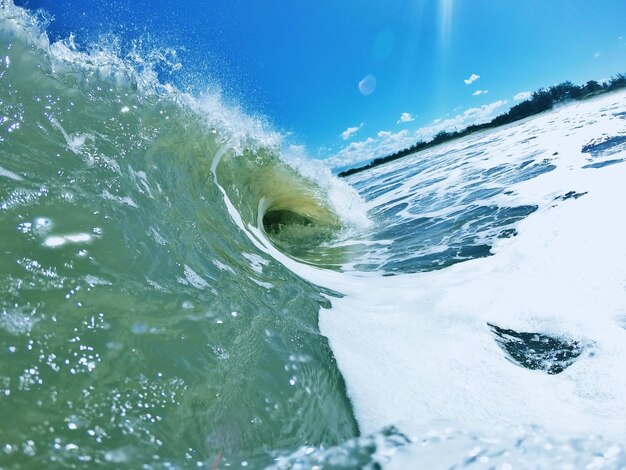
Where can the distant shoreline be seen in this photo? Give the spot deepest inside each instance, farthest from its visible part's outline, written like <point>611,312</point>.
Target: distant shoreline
<point>540,101</point>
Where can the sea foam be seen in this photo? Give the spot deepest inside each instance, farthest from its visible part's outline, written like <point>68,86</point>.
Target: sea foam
<point>417,348</point>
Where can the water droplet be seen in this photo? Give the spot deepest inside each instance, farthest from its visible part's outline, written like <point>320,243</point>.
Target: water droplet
<point>42,224</point>
<point>367,85</point>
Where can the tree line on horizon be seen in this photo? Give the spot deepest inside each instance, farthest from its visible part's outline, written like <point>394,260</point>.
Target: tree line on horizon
<point>541,100</point>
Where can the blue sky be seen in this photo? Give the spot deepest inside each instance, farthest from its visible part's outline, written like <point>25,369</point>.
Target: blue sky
<point>299,63</point>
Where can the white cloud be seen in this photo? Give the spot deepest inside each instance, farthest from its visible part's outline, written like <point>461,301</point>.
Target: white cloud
<point>405,117</point>
<point>467,118</point>
<point>472,78</point>
<point>387,142</point>
<point>350,131</point>
<point>597,54</point>
<point>480,92</point>
<point>524,95</point>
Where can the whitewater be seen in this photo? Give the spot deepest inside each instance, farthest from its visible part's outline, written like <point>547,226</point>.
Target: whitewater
<point>176,291</point>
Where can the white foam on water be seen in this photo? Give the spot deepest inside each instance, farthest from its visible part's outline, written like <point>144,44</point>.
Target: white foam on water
<point>17,321</point>
<point>9,174</point>
<point>54,241</point>
<point>60,240</point>
<point>127,200</point>
<point>343,198</point>
<point>416,348</point>
<point>194,279</point>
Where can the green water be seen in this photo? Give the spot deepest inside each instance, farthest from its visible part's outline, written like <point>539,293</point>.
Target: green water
<point>138,324</point>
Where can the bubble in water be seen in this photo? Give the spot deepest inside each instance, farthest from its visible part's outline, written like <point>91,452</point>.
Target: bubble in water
<point>53,242</point>
<point>78,237</point>
<point>116,456</point>
<point>143,329</point>
<point>42,224</point>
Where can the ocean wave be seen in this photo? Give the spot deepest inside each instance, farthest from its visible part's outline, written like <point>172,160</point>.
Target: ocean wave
<point>174,275</point>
